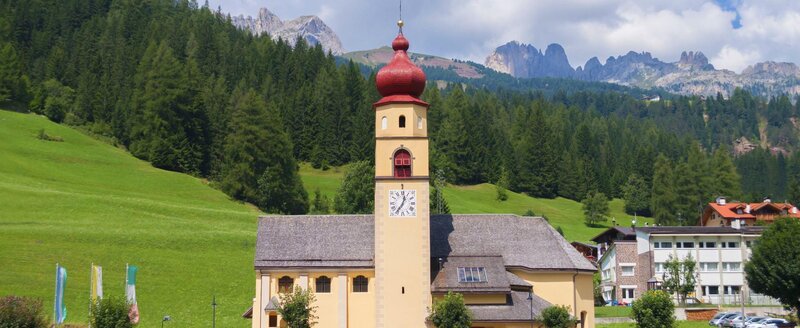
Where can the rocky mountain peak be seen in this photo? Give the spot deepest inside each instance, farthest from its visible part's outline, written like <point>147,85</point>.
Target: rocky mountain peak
<point>694,60</point>
<point>310,28</point>
<point>524,60</point>
<point>771,68</point>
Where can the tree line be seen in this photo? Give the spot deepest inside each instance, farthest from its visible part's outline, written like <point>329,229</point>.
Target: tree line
<point>177,85</point>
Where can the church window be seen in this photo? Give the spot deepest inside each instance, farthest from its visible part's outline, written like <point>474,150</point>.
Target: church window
<point>273,320</point>
<point>285,284</point>
<point>323,285</point>
<point>360,284</point>
<point>402,164</point>
<point>402,121</point>
<point>419,122</point>
<point>384,123</point>
<point>472,274</point>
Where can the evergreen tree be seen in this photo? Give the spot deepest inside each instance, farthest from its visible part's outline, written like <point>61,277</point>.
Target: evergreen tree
<point>595,208</point>
<point>356,195</point>
<point>793,187</point>
<point>438,204</point>
<point>9,71</point>
<point>685,195</point>
<point>726,181</point>
<point>535,170</point>
<point>452,144</point>
<point>663,192</point>
<point>320,204</point>
<point>636,195</point>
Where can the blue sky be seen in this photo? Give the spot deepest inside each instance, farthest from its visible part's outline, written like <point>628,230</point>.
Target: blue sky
<point>731,33</point>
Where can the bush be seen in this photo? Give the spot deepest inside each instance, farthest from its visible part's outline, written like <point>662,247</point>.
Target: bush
<point>557,316</point>
<point>451,312</point>
<point>296,308</point>
<point>21,312</point>
<point>110,312</point>
<point>654,310</point>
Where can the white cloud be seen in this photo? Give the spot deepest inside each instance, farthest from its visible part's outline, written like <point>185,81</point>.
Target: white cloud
<point>471,29</point>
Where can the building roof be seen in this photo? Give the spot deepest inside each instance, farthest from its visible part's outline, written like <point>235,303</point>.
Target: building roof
<point>731,210</point>
<point>348,241</point>
<point>315,241</point>
<point>446,279</point>
<point>517,309</point>
<point>615,233</point>
<point>698,230</point>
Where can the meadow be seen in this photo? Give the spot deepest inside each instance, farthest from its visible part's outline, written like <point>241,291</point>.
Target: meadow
<point>81,201</point>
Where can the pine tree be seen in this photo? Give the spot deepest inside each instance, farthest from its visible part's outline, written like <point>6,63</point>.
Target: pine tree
<point>9,71</point>
<point>595,208</point>
<point>726,180</point>
<point>793,186</point>
<point>685,195</point>
<point>636,195</point>
<point>663,194</point>
<point>356,195</point>
<point>535,170</point>
<point>452,145</point>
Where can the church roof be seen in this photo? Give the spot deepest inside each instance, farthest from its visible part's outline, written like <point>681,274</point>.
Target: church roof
<point>446,279</point>
<point>348,241</point>
<point>517,309</point>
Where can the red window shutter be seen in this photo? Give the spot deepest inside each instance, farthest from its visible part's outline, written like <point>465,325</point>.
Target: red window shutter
<point>402,164</point>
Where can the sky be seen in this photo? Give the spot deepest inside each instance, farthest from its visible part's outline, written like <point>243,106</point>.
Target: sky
<point>731,33</point>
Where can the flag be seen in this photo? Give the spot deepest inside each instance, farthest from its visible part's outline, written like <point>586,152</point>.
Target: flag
<point>97,282</point>
<point>60,309</point>
<point>130,293</point>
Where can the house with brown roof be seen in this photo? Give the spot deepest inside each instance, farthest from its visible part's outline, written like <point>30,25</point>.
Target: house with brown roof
<point>722,213</point>
<point>386,269</point>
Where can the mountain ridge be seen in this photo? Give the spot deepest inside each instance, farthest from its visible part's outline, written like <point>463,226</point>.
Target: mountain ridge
<point>691,74</point>
<point>309,27</point>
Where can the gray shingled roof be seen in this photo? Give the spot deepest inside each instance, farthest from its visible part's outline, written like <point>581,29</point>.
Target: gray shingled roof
<point>446,279</point>
<point>518,309</point>
<point>348,241</point>
<point>516,281</point>
<point>528,242</point>
<point>315,241</point>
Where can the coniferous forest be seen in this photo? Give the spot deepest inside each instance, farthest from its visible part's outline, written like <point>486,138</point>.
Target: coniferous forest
<point>177,85</point>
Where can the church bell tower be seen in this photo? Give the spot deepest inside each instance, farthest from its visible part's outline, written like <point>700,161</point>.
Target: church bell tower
<point>402,217</point>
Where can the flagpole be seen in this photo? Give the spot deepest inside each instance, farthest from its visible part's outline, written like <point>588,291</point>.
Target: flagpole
<point>55,299</point>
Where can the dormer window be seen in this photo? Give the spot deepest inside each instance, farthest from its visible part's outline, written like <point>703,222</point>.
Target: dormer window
<point>472,274</point>
<point>402,164</point>
<point>402,121</point>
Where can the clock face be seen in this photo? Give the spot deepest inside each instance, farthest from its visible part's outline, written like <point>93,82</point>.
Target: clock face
<point>402,203</point>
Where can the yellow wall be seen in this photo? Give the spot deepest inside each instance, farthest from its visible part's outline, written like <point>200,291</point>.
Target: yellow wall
<point>392,112</point>
<point>361,306</point>
<point>557,288</point>
<point>479,298</point>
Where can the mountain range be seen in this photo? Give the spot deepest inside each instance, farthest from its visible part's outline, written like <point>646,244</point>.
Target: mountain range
<point>692,74</point>
<point>311,28</point>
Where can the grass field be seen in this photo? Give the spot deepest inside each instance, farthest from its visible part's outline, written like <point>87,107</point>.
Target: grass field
<point>81,201</point>
<point>612,311</point>
<point>481,199</point>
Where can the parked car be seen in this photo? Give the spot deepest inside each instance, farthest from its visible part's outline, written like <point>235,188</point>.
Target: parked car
<point>747,321</point>
<point>772,323</point>
<point>727,317</point>
<point>729,321</point>
<point>753,323</point>
<point>715,320</point>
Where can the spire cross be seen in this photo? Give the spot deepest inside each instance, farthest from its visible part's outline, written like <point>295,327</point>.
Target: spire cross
<point>400,22</point>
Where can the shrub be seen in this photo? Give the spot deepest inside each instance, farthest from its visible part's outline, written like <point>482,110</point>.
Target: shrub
<point>451,312</point>
<point>654,309</point>
<point>296,308</point>
<point>110,312</point>
<point>21,312</point>
<point>557,316</point>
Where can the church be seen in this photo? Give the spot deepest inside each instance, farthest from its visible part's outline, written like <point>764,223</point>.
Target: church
<point>387,269</point>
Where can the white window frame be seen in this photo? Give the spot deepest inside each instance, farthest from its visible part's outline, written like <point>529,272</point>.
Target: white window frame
<point>682,244</point>
<point>728,266</point>
<point>632,290</point>
<point>727,244</point>
<point>622,267</point>
<point>704,266</point>
<point>705,244</point>
<point>659,267</point>
<point>661,244</point>
<point>707,288</point>
<point>727,289</point>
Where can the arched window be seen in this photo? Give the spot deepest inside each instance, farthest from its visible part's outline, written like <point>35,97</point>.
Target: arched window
<point>384,123</point>
<point>323,285</point>
<point>402,121</point>
<point>285,284</point>
<point>360,284</point>
<point>402,164</point>
<point>419,122</point>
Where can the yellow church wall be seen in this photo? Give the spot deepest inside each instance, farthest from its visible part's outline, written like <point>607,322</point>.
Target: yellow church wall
<point>402,257</point>
<point>392,112</point>
<point>558,289</point>
<point>327,303</point>
<point>361,306</point>
<point>385,148</point>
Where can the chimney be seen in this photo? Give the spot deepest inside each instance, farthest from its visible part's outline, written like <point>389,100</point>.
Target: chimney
<point>747,209</point>
<point>767,200</point>
<point>794,210</point>
<point>736,224</point>
<point>721,200</point>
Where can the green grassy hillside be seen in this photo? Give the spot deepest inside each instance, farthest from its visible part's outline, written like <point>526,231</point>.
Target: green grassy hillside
<point>81,201</point>
<point>481,199</point>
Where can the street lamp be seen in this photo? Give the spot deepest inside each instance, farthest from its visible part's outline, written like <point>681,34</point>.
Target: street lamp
<point>530,299</point>
<point>166,318</point>
<point>214,313</point>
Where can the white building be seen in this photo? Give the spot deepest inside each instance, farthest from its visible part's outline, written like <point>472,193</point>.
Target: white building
<point>630,257</point>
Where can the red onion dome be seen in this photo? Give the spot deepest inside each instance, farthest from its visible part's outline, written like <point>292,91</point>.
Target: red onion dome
<point>400,76</point>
